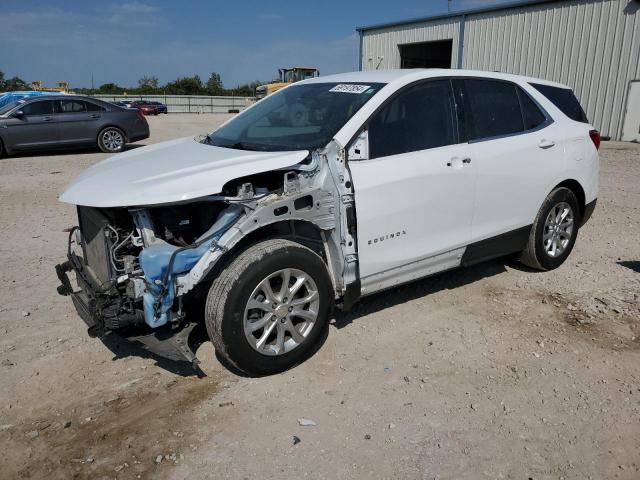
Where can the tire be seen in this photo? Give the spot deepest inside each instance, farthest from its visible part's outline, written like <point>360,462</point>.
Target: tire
<point>230,320</point>
<point>540,252</point>
<point>2,152</point>
<point>111,140</point>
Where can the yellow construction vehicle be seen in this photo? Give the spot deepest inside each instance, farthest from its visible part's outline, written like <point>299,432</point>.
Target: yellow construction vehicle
<point>62,87</point>
<point>287,76</point>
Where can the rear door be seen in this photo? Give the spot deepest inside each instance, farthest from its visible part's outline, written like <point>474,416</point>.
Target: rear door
<point>517,150</point>
<point>79,121</point>
<point>414,191</point>
<point>35,128</point>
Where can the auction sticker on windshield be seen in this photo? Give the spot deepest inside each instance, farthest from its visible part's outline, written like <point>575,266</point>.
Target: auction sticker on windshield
<point>348,88</point>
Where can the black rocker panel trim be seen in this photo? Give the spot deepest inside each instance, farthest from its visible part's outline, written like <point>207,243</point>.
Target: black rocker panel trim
<point>588,211</point>
<point>503,244</point>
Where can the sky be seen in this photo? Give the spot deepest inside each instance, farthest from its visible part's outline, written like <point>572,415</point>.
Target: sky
<point>249,40</point>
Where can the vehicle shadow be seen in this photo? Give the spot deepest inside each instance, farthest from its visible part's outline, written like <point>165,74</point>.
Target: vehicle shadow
<point>123,348</point>
<point>630,264</point>
<point>449,280</point>
<point>65,151</point>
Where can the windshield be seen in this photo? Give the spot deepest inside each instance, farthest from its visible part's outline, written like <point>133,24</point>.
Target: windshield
<point>300,117</point>
<point>10,106</point>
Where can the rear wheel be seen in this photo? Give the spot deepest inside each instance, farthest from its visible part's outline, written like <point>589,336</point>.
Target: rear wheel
<point>554,231</point>
<point>1,149</point>
<point>111,140</point>
<point>266,311</point>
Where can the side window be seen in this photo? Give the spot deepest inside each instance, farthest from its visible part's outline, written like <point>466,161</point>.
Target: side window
<point>92,107</point>
<point>492,109</point>
<point>418,118</point>
<point>531,114</point>
<point>73,106</point>
<point>565,100</point>
<point>42,107</point>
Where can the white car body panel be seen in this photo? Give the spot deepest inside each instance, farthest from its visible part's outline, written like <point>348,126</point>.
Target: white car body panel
<point>510,178</point>
<point>513,179</point>
<point>412,206</point>
<point>169,172</point>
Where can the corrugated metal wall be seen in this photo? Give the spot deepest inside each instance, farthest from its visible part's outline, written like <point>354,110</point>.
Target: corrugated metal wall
<point>380,47</point>
<point>591,45</point>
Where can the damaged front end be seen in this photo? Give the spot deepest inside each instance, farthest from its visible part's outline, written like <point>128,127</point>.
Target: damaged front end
<point>137,267</point>
<point>125,263</point>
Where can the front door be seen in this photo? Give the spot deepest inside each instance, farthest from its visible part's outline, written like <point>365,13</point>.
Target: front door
<point>414,193</point>
<point>34,128</point>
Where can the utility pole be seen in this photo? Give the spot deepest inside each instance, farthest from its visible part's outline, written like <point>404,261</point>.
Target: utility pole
<point>92,81</point>
<point>449,2</point>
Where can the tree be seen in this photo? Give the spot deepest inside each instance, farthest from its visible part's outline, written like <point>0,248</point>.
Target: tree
<point>246,90</point>
<point>3,83</point>
<point>16,83</point>
<point>111,88</point>
<point>186,86</point>
<point>148,84</point>
<point>214,85</point>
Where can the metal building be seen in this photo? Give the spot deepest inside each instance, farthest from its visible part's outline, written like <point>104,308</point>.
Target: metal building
<point>591,45</point>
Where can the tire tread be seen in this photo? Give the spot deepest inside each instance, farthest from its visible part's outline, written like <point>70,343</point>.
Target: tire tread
<point>225,281</point>
<point>531,254</point>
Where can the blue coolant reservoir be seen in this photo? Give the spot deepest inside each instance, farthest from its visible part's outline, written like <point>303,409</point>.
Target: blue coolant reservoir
<point>154,261</point>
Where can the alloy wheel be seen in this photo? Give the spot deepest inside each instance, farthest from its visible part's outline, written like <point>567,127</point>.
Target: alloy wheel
<point>281,312</point>
<point>558,229</point>
<point>112,140</point>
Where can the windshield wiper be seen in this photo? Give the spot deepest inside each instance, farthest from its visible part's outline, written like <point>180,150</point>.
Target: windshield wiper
<point>236,145</point>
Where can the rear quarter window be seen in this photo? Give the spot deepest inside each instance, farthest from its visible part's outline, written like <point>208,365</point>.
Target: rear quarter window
<point>565,100</point>
<point>92,107</point>
<point>531,114</point>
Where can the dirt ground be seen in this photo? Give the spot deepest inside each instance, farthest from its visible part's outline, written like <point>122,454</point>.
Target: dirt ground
<point>490,372</point>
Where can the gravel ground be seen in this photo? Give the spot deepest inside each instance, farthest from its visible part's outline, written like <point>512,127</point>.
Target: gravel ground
<point>489,372</point>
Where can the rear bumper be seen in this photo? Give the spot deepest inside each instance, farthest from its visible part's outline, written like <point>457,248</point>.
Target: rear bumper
<point>139,132</point>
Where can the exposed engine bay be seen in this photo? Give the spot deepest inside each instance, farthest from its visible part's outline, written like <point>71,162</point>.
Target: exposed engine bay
<point>136,266</point>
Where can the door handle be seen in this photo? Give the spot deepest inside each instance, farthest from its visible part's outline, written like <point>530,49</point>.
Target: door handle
<point>544,143</point>
<point>47,119</point>
<point>464,161</point>
<point>94,115</point>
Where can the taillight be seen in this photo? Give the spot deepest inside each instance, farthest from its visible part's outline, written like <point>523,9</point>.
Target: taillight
<point>595,138</point>
<point>140,114</point>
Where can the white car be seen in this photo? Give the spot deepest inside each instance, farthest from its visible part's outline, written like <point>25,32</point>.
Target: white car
<point>329,190</point>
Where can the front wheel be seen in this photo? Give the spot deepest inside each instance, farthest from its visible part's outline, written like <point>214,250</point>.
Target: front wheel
<point>554,231</point>
<point>111,140</point>
<point>267,310</point>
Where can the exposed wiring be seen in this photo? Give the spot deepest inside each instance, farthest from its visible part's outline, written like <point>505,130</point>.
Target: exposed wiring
<point>115,249</point>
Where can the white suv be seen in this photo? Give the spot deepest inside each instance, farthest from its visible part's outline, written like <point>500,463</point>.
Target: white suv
<point>331,189</point>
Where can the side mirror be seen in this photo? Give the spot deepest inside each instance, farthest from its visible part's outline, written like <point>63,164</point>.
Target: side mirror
<point>18,114</point>
<point>359,149</point>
